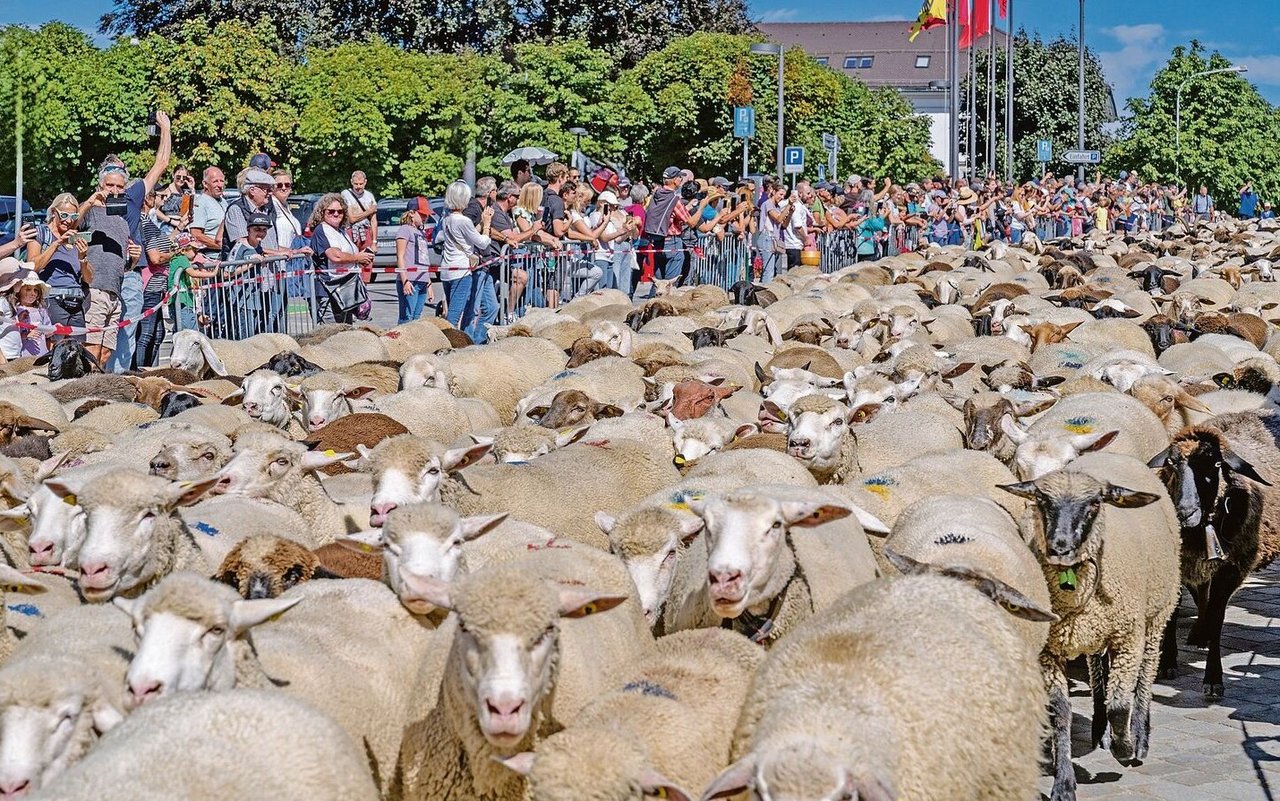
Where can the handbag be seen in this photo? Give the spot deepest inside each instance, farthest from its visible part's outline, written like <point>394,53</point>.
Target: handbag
<point>347,293</point>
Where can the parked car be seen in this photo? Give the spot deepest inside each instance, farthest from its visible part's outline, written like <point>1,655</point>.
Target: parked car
<point>302,206</point>
<point>389,211</point>
<point>9,222</point>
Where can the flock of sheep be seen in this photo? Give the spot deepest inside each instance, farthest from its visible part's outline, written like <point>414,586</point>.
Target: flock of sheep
<point>835,537</point>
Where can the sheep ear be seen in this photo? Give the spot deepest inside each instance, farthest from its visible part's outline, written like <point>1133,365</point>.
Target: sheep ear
<point>653,783</point>
<point>1068,328</point>
<point>1087,443</point>
<point>247,614</point>
<point>1241,467</point>
<point>1031,406</point>
<point>690,525</point>
<point>537,412</point>
<point>575,602</point>
<point>233,398</point>
<point>760,374</point>
<point>1009,599</point>
<point>807,514</point>
<point>868,788</point>
<point>521,763</point>
<point>745,430</point>
<point>21,513</point>
<point>864,413</point>
<point>737,778</point>
<point>13,580</point>
<point>368,541</point>
<point>211,358</point>
<point>869,522</point>
<point>906,565</point>
<point>1127,498</point>
<point>314,460</point>
<point>726,391</point>
<point>105,716</point>
<point>458,458</point>
<point>478,525</point>
<point>608,410</point>
<point>571,436</point>
<point>1225,380</point>
<point>1023,489</point>
<point>606,522</point>
<point>186,493</point>
<point>1012,430</point>
<point>35,423</point>
<point>1160,459</point>
<point>772,413</point>
<point>958,370</point>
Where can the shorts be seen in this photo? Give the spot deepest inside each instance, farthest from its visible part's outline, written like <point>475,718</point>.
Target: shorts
<point>103,312</point>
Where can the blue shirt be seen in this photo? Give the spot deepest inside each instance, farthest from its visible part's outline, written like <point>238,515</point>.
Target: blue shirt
<point>1248,204</point>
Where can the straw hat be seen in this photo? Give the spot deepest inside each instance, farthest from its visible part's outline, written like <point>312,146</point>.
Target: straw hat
<point>967,197</point>
<point>12,271</point>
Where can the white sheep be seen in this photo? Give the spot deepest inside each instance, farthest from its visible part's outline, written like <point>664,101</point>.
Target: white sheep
<point>265,396</point>
<point>197,353</point>
<point>767,573</point>
<point>856,705</point>
<point>501,373</point>
<point>221,745</point>
<point>1083,423</point>
<point>436,414</point>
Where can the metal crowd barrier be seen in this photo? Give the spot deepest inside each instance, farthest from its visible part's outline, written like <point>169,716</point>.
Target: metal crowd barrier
<point>251,297</point>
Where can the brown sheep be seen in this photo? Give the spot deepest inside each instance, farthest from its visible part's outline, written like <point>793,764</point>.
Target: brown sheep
<point>655,360</point>
<point>811,358</point>
<point>348,431</point>
<point>586,349</point>
<point>1047,334</point>
<point>14,423</point>
<point>348,563</point>
<point>457,339</point>
<point>571,408</point>
<point>264,566</point>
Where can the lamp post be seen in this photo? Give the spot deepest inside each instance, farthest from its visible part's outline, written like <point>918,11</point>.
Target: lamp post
<point>1177,112</point>
<point>771,49</point>
<point>578,133</point>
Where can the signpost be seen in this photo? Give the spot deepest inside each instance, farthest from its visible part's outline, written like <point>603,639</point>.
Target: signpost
<point>1083,156</point>
<point>1044,150</point>
<point>744,128</point>
<point>793,162</point>
<point>831,144</point>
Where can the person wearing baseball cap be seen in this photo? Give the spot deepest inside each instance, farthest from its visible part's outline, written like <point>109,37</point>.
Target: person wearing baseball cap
<point>248,297</point>
<point>256,200</point>
<point>261,161</point>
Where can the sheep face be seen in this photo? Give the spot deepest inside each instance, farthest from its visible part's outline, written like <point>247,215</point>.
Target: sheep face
<point>621,769</point>
<point>409,469</point>
<point>123,510</point>
<point>57,526</point>
<point>264,463</point>
<point>185,461</point>
<point>264,566</point>
<point>187,643</point>
<point>1124,373</point>
<point>265,396</point>
<point>746,535</point>
<point>505,659</point>
<point>799,767</point>
<point>648,542</point>
<point>817,437</point>
<point>1198,470</point>
<point>616,337</point>
<point>176,402</point>
<point>693,399</point>
<point>1040,456</point>
<point>1068,503</point>
<point>13,423</point>
<point>43,734</point>
<point>423,370</point>
<point>69,359</point>
<point>194,352</point>
<point>694,439</point>
<point>570,408</point>
<point>321,407</point>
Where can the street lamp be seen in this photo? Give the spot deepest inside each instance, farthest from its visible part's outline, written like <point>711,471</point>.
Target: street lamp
<point>578,133</point>
<point>1177,112</point>
<point>771,49</point>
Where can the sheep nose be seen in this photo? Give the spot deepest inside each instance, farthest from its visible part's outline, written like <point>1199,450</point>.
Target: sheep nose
<point>15,788</point>
<point>379,512</point>
<point>316,422</point>
<point>224,484</point>
<point>41,554</point>
<point>251,409</point>
<point>160,466</point>
<point>724,577</point>
<point>141,691</point>
<point>504,708</point>
<point>94,569</point>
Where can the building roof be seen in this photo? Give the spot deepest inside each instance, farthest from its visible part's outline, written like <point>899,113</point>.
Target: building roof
<point>894,61</point>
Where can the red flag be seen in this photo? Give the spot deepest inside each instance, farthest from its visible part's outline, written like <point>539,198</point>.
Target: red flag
<point>981,21</point>
<point>1004,9</point>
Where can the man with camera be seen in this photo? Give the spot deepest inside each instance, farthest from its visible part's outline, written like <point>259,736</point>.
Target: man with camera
<point>113,215</point>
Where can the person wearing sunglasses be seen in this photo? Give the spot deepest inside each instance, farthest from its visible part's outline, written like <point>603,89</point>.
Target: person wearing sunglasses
<point>61,259</point>
<point>339,259</point>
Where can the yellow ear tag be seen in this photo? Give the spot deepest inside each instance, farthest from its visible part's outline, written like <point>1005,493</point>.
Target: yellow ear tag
<point>330,453</point>
<point>69,500</point>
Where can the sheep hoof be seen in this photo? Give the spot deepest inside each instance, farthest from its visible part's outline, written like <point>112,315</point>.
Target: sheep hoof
<point>1063,791</point>
<point>1122,749</point>
<point>1168,673</point>
<point>1213,692</point>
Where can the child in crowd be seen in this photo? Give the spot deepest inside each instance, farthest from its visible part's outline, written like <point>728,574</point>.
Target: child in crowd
<point>181,271</point>
<point>30,295</point>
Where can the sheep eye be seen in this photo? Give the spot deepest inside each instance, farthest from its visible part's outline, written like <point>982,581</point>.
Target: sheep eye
<point>229,577</point>
<point>216,631</point>
<point>777,525</point>
<point>283,462</point>
<point>433,471</point>
<point>208,455</point>
<point>291,576</point>
<point>276,390</point>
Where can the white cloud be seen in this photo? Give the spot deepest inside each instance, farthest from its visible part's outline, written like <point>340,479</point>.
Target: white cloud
<point>780,15</point>
<point>1262,69</point>
<point>1130,68</point>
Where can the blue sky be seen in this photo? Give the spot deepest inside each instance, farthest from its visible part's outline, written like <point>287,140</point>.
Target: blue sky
<point>1133,37</point>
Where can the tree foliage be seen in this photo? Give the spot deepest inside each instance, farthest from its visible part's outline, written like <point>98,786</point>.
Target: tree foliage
<point>1046,103</point>
<point>408,118</point>
<point>1229,131</point>
<point>625,29</point>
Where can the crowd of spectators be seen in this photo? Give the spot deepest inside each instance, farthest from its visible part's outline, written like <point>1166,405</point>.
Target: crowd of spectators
<point>538,241</point>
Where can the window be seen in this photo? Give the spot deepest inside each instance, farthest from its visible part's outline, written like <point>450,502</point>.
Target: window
<point>922,62</point>
<point>822,61</point>
<point>858,62</point>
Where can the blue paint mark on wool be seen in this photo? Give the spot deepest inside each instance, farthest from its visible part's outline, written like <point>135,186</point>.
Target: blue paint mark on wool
<point>205,528</point>
<point>648,688</point>
<point>564,374</point>
<point>25,609</point>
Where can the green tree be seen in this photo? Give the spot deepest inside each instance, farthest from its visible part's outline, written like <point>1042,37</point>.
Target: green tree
<point>1046,77</point>
<point>1229,131</point>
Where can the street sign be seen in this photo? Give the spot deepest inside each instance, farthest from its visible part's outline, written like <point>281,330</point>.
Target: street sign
<point>1082,157</point>
<point>1044,150</point>
<point>793,160</point>
<point>744,122</point>
<point>830,142</point>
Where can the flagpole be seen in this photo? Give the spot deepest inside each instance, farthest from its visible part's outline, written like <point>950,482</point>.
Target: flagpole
<point>989,166</point>
<point>973,97</point>
<point>1008,96</point>
<point>953,77</point>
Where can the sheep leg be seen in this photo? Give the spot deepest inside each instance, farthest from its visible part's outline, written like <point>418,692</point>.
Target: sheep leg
<point>1169,648</point>
<point>1223,586</point>
<point>1122,684</point>
<point>1196,637</point>
<point>1141,719</point>
<point>1098,668</point>
<point>1064,774</point>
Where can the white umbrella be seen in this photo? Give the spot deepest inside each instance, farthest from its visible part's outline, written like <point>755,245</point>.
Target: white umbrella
<point>533,155</point>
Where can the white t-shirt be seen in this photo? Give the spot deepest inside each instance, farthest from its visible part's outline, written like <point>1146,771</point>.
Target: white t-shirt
<point>286,224</point>
<point>207,213</point>
<point>365,199</point>
<point>797,217</point>
<point>10,336</point>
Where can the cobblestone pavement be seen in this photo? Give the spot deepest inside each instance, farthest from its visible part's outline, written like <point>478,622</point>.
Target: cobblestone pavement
<point>1229,750</point>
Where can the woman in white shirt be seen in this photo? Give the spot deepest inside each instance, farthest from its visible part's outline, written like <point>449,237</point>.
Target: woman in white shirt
<point>469,290</point>
<point>590,259</point>
<point>340,258</point>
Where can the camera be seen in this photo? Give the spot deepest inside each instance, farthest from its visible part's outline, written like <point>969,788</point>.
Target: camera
<point>153,128</point>
<point>117,205</point>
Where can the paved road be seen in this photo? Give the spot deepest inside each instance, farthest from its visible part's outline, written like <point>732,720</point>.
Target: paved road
<point>1230,750</point>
